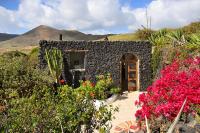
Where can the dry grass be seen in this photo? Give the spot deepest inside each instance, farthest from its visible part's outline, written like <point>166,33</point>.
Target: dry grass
<point>123,37</point>
<point>26,49</point>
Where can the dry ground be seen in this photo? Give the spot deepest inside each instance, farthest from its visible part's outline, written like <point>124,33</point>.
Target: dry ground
<point>26,49</point>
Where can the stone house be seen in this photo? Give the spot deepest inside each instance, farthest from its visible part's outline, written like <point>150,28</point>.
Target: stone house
<point>128,62</point>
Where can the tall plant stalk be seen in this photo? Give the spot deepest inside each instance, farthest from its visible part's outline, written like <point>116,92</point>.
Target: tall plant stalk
<point>171,128</point>
<point>54,59</point>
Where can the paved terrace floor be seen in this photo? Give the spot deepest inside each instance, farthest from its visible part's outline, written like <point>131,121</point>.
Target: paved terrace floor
<point>126,106</point>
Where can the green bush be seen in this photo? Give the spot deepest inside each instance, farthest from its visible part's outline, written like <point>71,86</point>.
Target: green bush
<point>192,28</point>
<point>103,88</point>
<point>144,34</point>
<point>18,77</point>
<point>177,38</point>
<point>13,54</point>
<point>171,45</point>
<point>193,39</point>
<point>29,103</point>
<point>157,40</point>
<point>156,60</point>
<point>67,111</point>
<point>33,59</point>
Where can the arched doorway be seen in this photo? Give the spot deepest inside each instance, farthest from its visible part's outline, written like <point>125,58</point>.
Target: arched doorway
<point>129,72</point>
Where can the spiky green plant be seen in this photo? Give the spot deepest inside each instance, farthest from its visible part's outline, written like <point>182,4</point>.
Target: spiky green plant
<point>177,38</point>
<point>157,41</point>
<point>194,39</point>
<point>54,59</point>
<point>158,38</point>
<point>161,33</point>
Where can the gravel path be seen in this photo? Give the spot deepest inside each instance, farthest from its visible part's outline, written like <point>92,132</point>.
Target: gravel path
<point>126,106</point>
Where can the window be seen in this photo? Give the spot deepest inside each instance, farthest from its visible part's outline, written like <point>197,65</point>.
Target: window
<point>77,60</point>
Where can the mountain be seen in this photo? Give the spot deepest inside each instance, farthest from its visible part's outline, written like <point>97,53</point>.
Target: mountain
<point>4,36</point>
<point>32,37</point>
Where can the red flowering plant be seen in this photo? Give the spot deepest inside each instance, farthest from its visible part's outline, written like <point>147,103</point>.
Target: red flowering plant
<point>103,88</point>
<point>62,82</point>
<point>87,88</point>
<point>165,96</point>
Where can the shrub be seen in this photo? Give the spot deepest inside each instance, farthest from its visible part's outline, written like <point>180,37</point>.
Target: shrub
<point>192,28</point>
<point>194,39</point>
<point>164,54</point>
<point>87,88</point>
<point>164,98</point>
<point>177,38</point>
<point>28,103</point>
<point>158,38</point>
<point>33,59</point>
<point>67,111</point>
<point>13,54</point>
<point>144,34</point>
<point>16,75</point>
<point>156,61</point>
<point>103,88</point>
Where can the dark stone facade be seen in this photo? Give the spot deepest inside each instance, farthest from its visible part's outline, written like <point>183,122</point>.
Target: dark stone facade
<point>104,57</point>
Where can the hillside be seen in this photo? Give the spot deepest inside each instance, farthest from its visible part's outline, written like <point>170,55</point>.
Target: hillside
<point>192,28</point>
<point>4,36</point>
<point>122,37</point>
<point>32,37</point>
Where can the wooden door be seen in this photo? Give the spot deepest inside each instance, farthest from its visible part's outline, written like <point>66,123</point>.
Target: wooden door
<point>132,75</point>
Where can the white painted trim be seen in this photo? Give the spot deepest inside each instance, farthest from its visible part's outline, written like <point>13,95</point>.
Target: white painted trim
<point>81,70</point>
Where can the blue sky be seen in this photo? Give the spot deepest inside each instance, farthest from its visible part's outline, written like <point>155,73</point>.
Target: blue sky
<point>10,4</point>
<point>13,4</point>
<point>96,16</point>
<point>136,3</point>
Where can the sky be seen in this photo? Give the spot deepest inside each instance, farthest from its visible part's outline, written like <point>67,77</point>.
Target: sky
<point>96,16</point>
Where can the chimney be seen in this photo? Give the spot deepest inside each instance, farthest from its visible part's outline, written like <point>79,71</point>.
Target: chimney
<point>60,37</point>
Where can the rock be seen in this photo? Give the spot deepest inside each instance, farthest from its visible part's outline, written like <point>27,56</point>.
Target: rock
<point>197,127</point>
<point>112,99</point>
<point>183,128</point>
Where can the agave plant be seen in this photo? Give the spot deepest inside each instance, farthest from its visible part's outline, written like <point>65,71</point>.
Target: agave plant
<point>177,37</point>
<point>161,33</point>
<point>156,41</point>
<point>54,59</point>
<point>172,127</point>
<point>194,39</point>
<point>158,38</point>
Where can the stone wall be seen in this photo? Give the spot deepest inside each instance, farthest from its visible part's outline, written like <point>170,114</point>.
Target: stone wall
<point>104,57</point>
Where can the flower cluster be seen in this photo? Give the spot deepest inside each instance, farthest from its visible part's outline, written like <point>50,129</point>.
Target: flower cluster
<point>87,88</point>
<point>102,89</point>
<point>165,96</point>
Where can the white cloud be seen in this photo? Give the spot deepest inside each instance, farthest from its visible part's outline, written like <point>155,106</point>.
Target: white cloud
<point>7,21</point>
<point>97,16</point>
<point>168,13</point>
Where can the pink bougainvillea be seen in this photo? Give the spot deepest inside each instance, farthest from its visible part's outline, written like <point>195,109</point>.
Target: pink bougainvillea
<point>165,96</point>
